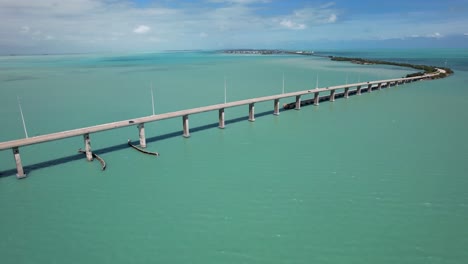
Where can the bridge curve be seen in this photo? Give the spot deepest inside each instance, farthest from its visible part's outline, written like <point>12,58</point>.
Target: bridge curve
<point>140,121</point>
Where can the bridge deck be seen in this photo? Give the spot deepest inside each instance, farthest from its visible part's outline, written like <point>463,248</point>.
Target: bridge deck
<point>152,118</point>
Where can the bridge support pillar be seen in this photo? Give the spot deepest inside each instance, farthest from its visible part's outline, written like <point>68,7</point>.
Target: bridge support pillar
<point>316,98</point>
<point>358,90</point>
<point>185,124</point>
<point>141,132</point>
<point>298,102</point>
<point>369,88</point>
<point>251,112</point>
<point>19,166</point>
<point>276,107</point>
<point>221,118</point>
<point>332,95</point>
<point>87,142</point>
<point>346,92</point>
<point>379,86</point>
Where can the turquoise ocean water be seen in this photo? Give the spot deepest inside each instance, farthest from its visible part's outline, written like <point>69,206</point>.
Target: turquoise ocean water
<point>377,178</point>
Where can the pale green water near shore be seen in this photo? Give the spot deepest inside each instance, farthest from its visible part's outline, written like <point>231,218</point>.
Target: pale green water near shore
<point>377,178</point>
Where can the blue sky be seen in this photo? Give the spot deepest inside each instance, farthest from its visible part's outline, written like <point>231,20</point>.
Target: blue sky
<point>53,26</point>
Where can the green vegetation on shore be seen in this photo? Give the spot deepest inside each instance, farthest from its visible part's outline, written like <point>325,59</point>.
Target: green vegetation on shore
<point>424,68</point>
<point>267,52</point>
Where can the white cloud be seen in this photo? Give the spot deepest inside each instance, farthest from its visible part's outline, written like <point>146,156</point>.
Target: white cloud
<point>308,17</point>
<point>320,15</point>
<point>434,35</point>
<point>141,29</point>
<point>327,5</point>
<point>292,25</point>
<point>35,34</point>
<point>102,25</point>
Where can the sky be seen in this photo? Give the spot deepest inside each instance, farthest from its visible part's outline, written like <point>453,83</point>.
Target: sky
<point>82,26</point>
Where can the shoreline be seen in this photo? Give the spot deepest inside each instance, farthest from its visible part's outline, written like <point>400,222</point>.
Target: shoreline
<point>268,52</point>
<point>423,69</point>
<point>443,71</point>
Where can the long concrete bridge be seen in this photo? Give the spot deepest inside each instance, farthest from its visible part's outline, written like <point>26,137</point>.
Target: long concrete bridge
<point>140,122</point>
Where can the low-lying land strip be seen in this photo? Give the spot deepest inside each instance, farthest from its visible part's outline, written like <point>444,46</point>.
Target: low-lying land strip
<point>424,69</point>
<point>267,52</point>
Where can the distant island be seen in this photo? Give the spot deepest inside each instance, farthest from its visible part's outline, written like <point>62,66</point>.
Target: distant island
<point>267,52</point>
<point>424,69</point>
<point>443,71</point>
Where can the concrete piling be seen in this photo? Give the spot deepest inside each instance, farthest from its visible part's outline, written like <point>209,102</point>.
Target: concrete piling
<point>346,92</point>
<point>332,95</point>
<point>251,112</point>
<point>298,102</point>
<point>185,123</point>
<point>141,132</point>
<point>276,107</point>
<point>87,142</point>
<point>316,98</point>
<point>19,166</point>
<point>358,90</point>
<point>221,118</point>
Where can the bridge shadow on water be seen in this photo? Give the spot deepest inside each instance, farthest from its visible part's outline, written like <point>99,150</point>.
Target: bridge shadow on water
<point>100,152</point>
<point>178,133</point>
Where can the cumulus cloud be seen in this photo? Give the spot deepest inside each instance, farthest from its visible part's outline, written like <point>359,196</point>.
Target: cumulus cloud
<point>100,25</point>
<point>292,25</point>
<point>34,34</point>
<point>303,18</point>
<point>327,5</point>
<point>434,35</point>
<point>141,29</point>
